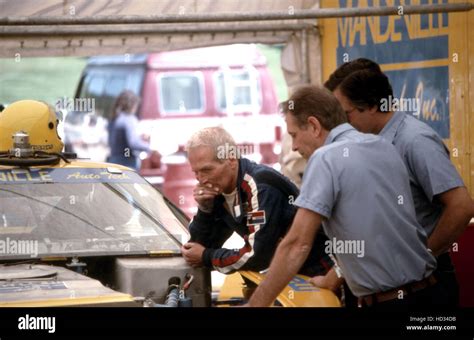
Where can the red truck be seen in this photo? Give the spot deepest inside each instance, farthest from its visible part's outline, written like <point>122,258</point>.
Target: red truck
<point>181,92</point>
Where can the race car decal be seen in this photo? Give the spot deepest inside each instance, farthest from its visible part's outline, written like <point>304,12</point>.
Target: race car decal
<point>298,284</point>
<point>17,176</point>
<point>70,175</point>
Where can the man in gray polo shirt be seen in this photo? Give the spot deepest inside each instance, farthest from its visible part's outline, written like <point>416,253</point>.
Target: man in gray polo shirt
<point>442,203</point>
<point>356,186</point>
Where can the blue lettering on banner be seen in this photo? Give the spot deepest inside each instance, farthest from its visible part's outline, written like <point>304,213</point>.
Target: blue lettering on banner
<point>400,39</point>
<point>429,87</point>
<point>395,38</point>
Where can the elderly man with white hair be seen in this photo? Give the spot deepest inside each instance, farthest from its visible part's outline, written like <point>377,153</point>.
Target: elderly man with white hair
<point>235,194</point>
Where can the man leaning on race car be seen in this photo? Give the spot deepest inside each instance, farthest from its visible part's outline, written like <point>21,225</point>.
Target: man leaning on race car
<point>237,195</point>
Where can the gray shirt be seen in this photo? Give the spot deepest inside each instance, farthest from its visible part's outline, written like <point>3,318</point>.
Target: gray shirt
<point>427,160</point>
<point>359,184</point>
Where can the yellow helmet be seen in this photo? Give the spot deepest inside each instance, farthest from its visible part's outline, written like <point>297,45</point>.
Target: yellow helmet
<point>36,119</point>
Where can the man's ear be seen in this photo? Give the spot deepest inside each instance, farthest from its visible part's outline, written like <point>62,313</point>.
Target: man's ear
<point>314,125</point>
<point>233,162</point>
<point>373,110</point>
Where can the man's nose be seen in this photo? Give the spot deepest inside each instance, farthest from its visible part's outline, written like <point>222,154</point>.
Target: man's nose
<point>201,179</point>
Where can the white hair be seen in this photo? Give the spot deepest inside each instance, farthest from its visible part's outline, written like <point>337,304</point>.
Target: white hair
<point>213,137</point>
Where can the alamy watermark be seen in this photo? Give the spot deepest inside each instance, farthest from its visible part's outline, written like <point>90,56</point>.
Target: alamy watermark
<point>19,247</point>
<point>392,104</point>
<point>75,104</point>
<point>229,151</point>
<point>28,322</point>
<point>334,246</point>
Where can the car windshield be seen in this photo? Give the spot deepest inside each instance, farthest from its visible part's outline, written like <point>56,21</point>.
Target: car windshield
<point>82,211</point>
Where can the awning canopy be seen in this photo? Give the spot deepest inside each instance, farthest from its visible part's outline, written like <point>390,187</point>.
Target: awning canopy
<point>133,37</point>
<point>31,28</point>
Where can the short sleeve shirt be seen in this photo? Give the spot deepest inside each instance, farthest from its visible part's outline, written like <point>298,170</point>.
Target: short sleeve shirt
<point>427,160</point>
<point>359,184</point>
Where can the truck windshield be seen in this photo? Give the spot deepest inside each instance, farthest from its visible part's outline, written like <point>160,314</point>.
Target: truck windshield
<point>181,93</point>
<point>238,90</point>
<point>82,211</point>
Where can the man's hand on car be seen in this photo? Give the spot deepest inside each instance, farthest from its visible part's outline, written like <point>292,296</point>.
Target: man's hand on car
<point>204,195</point>
<point>329,281</point>
<point>192,253</point>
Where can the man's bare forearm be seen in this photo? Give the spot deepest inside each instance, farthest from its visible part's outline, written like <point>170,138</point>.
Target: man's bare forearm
<point>288,259</point>
<point>450,226</point>
<point>457,213</point>
<point>329,281</point>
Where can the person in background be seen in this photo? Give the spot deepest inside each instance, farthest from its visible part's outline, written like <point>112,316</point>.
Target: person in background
<point>124,141</point>
<point>292,164</point>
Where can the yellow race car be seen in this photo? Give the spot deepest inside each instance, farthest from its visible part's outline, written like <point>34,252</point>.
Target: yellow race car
<point>77,233</point>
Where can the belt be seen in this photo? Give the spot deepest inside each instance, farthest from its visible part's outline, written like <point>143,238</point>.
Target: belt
<point>409,288</point>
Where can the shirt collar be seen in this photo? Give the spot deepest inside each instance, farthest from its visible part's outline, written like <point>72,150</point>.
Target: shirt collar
<point>390,129</point>
<point>337,132</point>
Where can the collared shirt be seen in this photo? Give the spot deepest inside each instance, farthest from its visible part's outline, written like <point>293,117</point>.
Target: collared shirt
<point>427,160</point>
<point>359,184</point>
